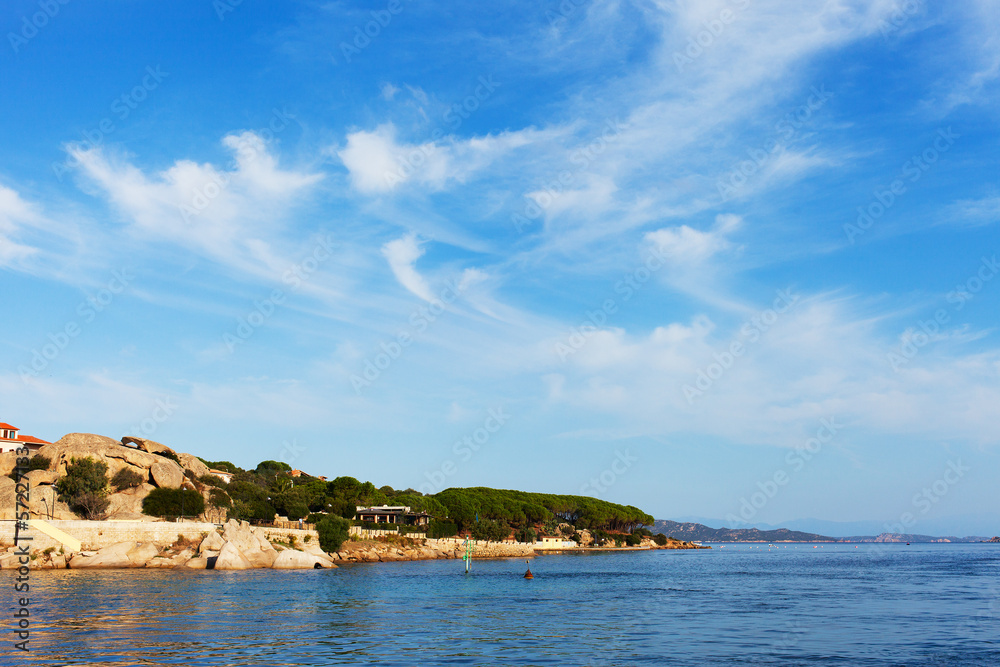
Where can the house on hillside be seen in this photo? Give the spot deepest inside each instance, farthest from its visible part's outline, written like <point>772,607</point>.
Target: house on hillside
<point>10,440</point>
<point>394,514</point>
<point>226,477</point>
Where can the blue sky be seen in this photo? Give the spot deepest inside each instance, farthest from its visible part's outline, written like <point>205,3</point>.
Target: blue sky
<point>730,259</point>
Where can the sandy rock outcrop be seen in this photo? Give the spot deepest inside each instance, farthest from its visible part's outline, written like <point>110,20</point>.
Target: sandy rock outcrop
<point>166,474</point>
<point>193,463</point>
<point>115,556</point>
<point>293,559</point>
<point>213,542</point>
<point>147,445</point>
<point>231,558</point>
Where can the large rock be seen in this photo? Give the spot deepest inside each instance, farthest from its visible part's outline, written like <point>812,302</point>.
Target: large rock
<point>213,542</point>
<point>147,445</point>
<point>142,554</point>
<point>8,499</point>
<point>293,559</point>
<point>128,503</point>
<point>166,474</point>
<point>114,556</point>
<point>82,445</point>
<point>230,558</point>
<point>42,477</point>
<point>196,564</point>
<point>193,463</point>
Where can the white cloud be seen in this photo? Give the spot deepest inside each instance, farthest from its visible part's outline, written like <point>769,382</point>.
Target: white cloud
<point>15,213</point>
<point>820,359</point>
<point>402,255</point>
<point>688,246</point>
<point>223,213</point>
<point>388,91</point>
<point>378,163</point>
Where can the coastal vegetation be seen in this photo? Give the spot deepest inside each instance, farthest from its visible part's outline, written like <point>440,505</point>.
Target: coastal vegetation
<point>333,531</point>
<point>84,487</point>
<point>173,502</point>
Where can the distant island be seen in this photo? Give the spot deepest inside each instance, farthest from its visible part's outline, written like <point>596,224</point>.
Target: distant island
<point>697,532</point>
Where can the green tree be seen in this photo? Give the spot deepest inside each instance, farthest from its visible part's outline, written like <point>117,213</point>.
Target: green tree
<point>84,487</point>
<point>173,502</point>
<point>272,467</point>
<point>525,534</point>
<point>333,531</point>
<point>126,478</point>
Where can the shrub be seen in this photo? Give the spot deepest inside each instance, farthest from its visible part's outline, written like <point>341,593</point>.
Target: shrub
<point>36,462</point>
<point>39,462</point>
<point>438,529</point>
<point>173,502</point>
<point>126,478</point>
<point>170,455</point>
<point>333,532</point>
<point>213,480</point>
<point>660,539</point>
<point>219,498</point>
<point>84,487</point>
<point>252,510</point>
<point>633,540</point>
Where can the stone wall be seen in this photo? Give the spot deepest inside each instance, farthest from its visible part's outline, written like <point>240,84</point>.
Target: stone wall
<point>483,549</point>
<point>99,534</point>
<point>370,534</point>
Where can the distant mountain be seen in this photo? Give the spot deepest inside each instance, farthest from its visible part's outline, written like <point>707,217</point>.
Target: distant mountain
<point>915,539</point>
<point>702,533</point>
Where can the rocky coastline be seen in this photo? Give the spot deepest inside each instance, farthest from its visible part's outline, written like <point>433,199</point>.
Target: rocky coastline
<point>240,546</point>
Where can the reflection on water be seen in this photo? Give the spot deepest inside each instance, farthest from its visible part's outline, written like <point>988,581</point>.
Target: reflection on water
<point>791,605</point>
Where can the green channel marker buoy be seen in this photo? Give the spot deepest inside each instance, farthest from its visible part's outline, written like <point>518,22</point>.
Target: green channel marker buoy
<point>468,553</point>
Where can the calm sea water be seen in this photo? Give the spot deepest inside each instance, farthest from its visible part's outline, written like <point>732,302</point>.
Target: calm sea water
<point>741,604</point>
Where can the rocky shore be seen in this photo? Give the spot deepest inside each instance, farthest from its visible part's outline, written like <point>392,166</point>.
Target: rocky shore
<point>239,546</point>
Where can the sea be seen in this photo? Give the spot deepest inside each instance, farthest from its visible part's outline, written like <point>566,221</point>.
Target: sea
<point>736,604</point>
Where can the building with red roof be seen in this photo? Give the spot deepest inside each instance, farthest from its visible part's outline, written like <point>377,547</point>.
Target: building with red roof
<point>10,440</point>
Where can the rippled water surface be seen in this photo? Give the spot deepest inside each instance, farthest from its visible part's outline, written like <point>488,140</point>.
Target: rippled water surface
<point>741,604</point>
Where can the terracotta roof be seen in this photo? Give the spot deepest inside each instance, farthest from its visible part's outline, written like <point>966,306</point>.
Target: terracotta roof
<point>6,425</point>
<point>32,439</point>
